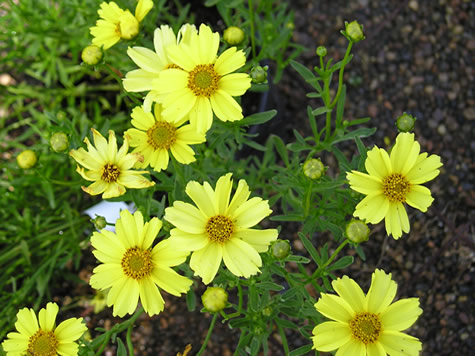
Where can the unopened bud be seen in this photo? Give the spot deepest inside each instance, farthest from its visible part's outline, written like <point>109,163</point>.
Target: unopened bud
<point>233,35</point>
<point>405,122</point>
<point>354,31</point>
<point>313,168</point>
<point>280,249</point>
<point>259,74</point>
<point>357,231</point>
<point>59,142</point>
<point>91,55</point>
<point>99,222</point>
<point>214,299</point>
<point>321,51</point>
<point>26,159</point>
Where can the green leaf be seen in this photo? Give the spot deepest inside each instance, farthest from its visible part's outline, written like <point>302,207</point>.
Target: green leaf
<point>302,70</point>
<point>341,263</point>
<point>269,286</point>
<point>121,350</point>
<point>310,248</point>
<point>259,118</point>
<point>302,350</point>
<point>297,259</point>
<point>287,217</point>
<point>362,132</point>
<point>321,110</point>
<point>191,299</point>
<point>281,149</point>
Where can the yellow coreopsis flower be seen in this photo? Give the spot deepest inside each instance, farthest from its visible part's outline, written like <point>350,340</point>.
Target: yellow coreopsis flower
<point>203,83</point>
<point>219,230</point>
<point>108,169</point>
<point>132,269</point>
<point>152,63</point>
<point>40,336</point>
<point>366,324</point>
<point>116,23</point>
<point>154,137</point>
<point>393,180</point>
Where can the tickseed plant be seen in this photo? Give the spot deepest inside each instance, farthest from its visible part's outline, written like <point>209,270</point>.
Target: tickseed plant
<point>263,224</point>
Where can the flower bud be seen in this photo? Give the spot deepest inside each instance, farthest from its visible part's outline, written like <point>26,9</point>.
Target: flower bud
<point>233,35</point>
<point>26,159</point>
<point>91,55</point>
<point>99,222</point>
<point>214,299</point>
<point>354,31</point>
<point>357,231</point>
<point>280,249</point>
<point>313,168</point>
<point>59,142</point>
<point>405,122</point>
<point>321,51</point>
<point>259,74</point>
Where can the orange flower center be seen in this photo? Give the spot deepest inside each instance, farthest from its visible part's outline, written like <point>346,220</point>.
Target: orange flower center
<point>110,173</point>
<point>219,228</point>
<point>162,135</point>
<point>42,343</point>
<point>203,80</point>
<point>365,327</point>
<point>137,263</point>
<point>396,187</point>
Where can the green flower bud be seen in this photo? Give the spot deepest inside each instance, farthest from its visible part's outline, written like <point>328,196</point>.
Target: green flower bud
<point>267,311</point>
<point>91,55</point>
<point>321,51</point>
<point>59,142</point>
<point>290,25</point>
<point>259,74</point>
<point>405,122</point>
<point>214,299</point>
<point>26,159</point>
<point>280,249</point>
<point>233,35</point>
<point>357,231</point>
<point>313,168</point>
<point>354,31</point>
<point>99,222</point>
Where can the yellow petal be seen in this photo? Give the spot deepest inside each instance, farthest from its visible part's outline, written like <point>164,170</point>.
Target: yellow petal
<point>142,9</point>
<point>206,262</point>
<point>258,239</point>
<point>351,292</point>
<point>146,59</point>
<point>223,192</point>
<point>208,44</point>
<point>168,254</point>
<point>235,84</point>
<point>138,80</point>
<point>170,281</point>
<point>225,107</point>
<point>419,197</point>
<point>425,169</point>
<point>26,323</point>
<point>396,220</point>
<point>401,314</point>
<point>110,11</point>
<point>364,183</point>
<point>125,296</point>
<point>240,196</point>
<point>70,330</point>
<point>150,231</point>
<point>240,258</point>
<point>186,217</point>
<point>251,212</point>
<point>47,317</point>
<point>187,134</point>
<point>229,61</point>
<point>203,196</point>
<point>183,153</point>
<point>375,349</point>
<point>87,160</point>
<point>105,275</point>
<point>201,116</point>
<point>162,38</point>
<point>404,153</point>
<point>334,307</point>
<point>330,336</point>
<point>178,104</point>
<point>113,190</point>
<point>378,163</point>
<point>96,188</point>
<point>186,241</point>
<point>372,208</point>
<point>182,56</point>
<point>381,293</point>
<point>353,348</point>
<point>150,297</point>
<point>397,343</point>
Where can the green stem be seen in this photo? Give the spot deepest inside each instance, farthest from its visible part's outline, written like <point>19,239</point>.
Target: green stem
<point>239,309</point>
<point>307,198</point>
<point>340,75</point>
<point>210,331</point>
<point>321,268</point>
<point>251,17</point>
<point>328,126</point>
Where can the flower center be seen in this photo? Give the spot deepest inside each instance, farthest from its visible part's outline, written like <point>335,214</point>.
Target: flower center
<point>42,343</point>
<point>219,228</point>
<point>110,173</point>
<point>365,327</point>
<point>136,263</point>
<point>161,135</point>
<point>203,80</point>
<point>396,187</point>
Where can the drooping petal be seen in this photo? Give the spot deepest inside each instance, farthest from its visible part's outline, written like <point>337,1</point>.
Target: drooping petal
<point>396,220</point>
<point>351,292</point>
<point>240,258</point>
<point>381,293</point>
<point>124,295</point>
<point>401,314</point>
<point>206,262</point>
<point>419,197</point>
<point>330,335</point>
<point>397,343</point>
<point>150,297</point>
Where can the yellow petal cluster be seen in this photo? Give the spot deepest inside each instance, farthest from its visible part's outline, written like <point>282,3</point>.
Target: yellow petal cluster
<point>392,181</point>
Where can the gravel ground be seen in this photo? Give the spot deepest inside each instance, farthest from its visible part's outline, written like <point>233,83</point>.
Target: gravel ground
<point>417,57</point>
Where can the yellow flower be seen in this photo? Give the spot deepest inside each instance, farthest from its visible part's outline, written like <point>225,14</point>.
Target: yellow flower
<point>366,324</point>
<point>392,181</point>
<point>220,230</point>
<point>44,339</point>
<point>132,269</point>
<point>108,169</point>
<point>202,84</point>
<point>117,23</point>
<point>155,136</point>
<point>152,63</point>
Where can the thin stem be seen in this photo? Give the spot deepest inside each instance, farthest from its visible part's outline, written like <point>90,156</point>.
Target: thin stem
<point>320,269</point>
<point>210,331</point>
<point>307,198</point>
<point>251,17</point>
<point>328,126</point>
<point>239,309</point>
<point>340,75</point>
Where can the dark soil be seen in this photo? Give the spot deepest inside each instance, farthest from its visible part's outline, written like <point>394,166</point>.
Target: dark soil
<point>417,57</point>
